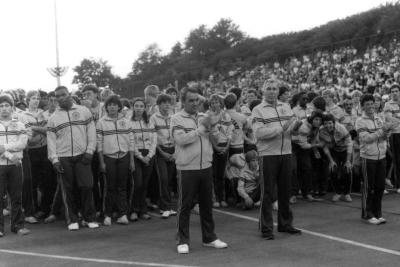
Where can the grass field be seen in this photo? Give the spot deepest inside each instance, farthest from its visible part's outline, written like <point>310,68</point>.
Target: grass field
<point>333,235</point>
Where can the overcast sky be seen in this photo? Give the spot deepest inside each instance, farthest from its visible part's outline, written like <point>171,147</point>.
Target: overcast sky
<point>118,30</point>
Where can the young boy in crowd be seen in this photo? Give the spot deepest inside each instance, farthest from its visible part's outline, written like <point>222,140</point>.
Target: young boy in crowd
<point>249,182</point>
<point>13,140</point>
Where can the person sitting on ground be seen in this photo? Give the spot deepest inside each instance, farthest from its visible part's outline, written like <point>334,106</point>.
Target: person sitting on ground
<point>249,182</point>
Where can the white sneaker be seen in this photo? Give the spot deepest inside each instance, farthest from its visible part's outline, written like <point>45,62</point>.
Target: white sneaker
<point>165,214</point>
<point>123,220</point>
<point>336,197</point>
<point>172,213</point>
<point>196,209</point>
<point>224,204</point>
<point>216,244</point>
<point>388,182</point>
<point>293,200</point>
<point>275,205</point>
<point>347,198</point>
<point>73,226</point>
<point>183,249</point>
<point>398,191</point>
<point>216,205</point>
<point>50,219</point>
<point>134,217</point>
<point>6,212</point>
<point>31,220</point>
<point>93,225</point>
<point>258,204</point>
<point>385,192</point>
<point>310,198</point>
<point>374,221</point>
<point>382,220</point>
<point>107,221</point>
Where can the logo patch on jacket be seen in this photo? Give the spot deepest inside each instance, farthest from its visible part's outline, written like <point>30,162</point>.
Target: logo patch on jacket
<point>76,115</point>
<point>122,124</point>
<point>13,125</point>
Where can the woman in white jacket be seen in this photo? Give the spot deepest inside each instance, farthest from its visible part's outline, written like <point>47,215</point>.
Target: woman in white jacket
<point>145,149</point>
<point>115,145</point>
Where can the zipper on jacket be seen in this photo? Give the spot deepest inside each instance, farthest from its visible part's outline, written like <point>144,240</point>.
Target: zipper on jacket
<point>283,133</point>
<point>70,127</point>
<point>141,129</point>
<point>6,139</point>
<point>169,133</point>
<point>116,132</point>
<point>377,142</point>
<point>196,121</point>
<point>201,148</point>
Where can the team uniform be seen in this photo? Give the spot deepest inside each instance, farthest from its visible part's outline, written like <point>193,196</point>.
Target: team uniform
<point>373,147</point>
<point>340,145</point>
<point>193,162</point>
<point>145,145</point>
<point>115,141</point>
<point>14,138</point>
<point>71,133</point>
<point>166,169</point>
<point>42,172</point>
<point>392,112</point>
<point>222,134</point>
<point>275,149</point>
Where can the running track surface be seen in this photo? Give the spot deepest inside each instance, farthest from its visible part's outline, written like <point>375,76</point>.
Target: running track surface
<point>334,235</point>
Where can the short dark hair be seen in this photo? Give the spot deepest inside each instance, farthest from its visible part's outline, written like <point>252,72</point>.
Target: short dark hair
<point>170,90</point>
<point>90,87</point>
<point>311,96</point>
<point>315,114</point>
<point>328,117</point>
<point>113,99</point>
<point>125,102</point>
<point>76,99</point>
<point>319,103</point>
<point>163,98</point>
<point>186,90</point>
<point>254,103</point>
<point>230,100</point>
<point>236,91</point>
<point>43,93</point>
<point>282,89</point>
<point>296,98</point>
<point>394,86</point>
<point>367,97</point>
<point>61,87</point>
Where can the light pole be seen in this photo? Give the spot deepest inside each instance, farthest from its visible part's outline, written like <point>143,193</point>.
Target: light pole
<point>57,71</point>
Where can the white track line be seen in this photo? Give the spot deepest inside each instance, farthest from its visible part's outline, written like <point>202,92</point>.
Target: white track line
<point>334,238</point>
<point>61,257</point>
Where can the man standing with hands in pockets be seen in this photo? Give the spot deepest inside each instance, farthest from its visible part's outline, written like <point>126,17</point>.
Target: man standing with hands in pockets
<point>273,125</point>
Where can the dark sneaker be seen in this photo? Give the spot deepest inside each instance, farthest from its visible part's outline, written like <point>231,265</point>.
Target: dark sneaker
<point>268,236</point>
<point>145,216</point>
<point>290,230</point>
